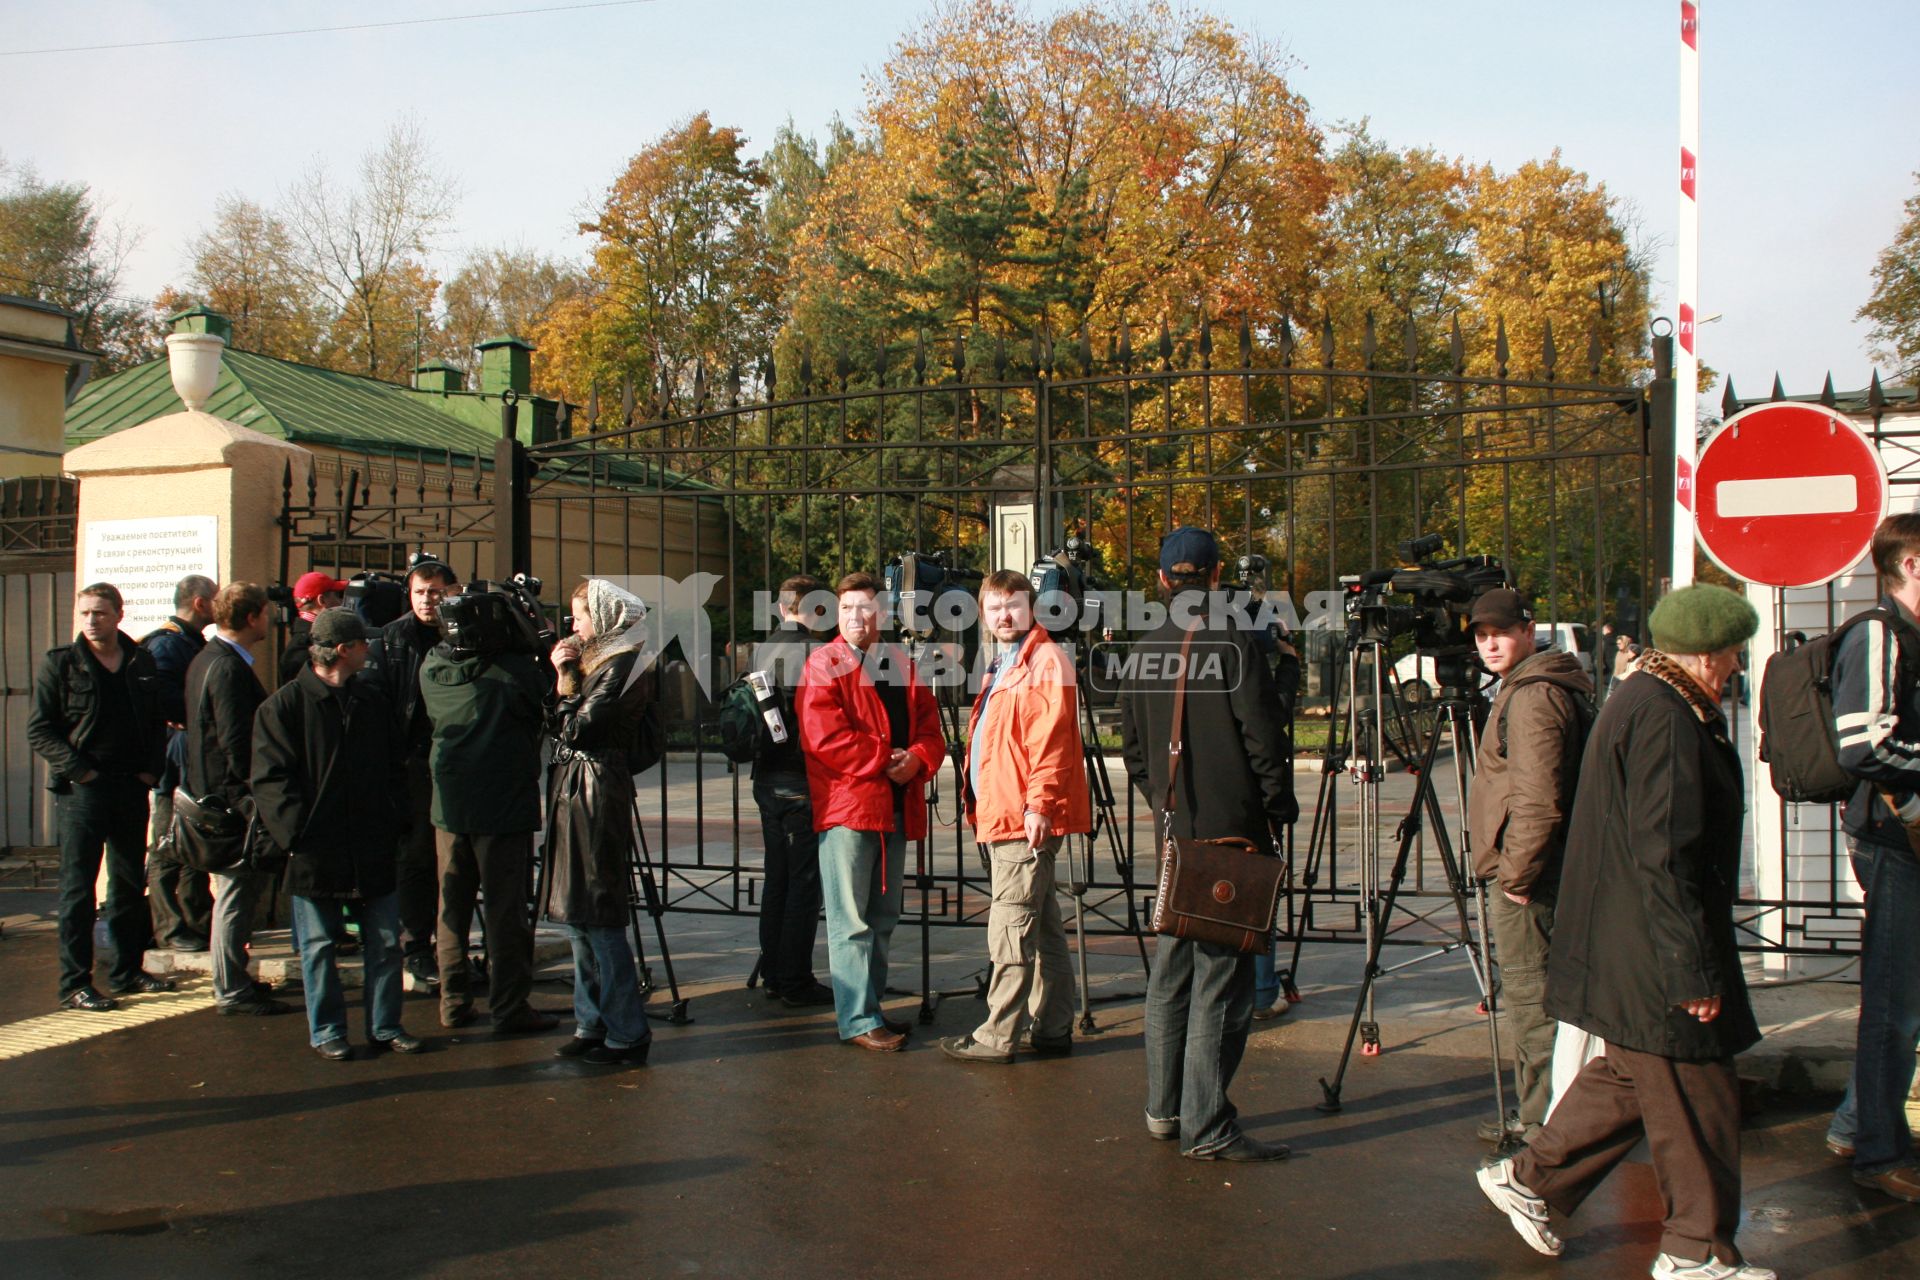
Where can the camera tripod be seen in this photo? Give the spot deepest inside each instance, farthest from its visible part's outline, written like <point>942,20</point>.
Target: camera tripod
<point>922,878</point>
<point>1455,724</point>
<point>1106,822</point>
<point>644,894</point>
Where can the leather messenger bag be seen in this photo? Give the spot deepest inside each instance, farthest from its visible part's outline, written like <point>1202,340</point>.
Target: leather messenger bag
<point>1222,891</point>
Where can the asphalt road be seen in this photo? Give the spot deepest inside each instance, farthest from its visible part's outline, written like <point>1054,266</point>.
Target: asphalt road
<point>755,1144</point>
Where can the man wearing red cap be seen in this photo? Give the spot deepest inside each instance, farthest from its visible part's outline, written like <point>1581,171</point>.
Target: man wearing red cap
<point>313,592</point>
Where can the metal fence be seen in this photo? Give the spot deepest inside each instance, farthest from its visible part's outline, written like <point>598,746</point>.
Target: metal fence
<point>38,520</point>
<point>1320,468</point>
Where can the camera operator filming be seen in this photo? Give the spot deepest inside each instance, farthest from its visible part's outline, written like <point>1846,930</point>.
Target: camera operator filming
<point>485,693</point>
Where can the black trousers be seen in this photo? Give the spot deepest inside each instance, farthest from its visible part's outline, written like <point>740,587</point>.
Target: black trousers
<point>494,868</point>
<point>108,814</point>
<point>417,867</point>
<point>790,890</point>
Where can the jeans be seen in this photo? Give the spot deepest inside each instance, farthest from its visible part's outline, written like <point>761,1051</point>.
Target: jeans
<point>236,895</point>
<point>606,988</point>
<point>1199,1011</point>
<point>110,814</point>
<point>1266,976</point>
<point>790,891</point>
<point>1883,1061</point>
<point>861,877</point>
<point>319,924</point>
<point>1845,1125</point>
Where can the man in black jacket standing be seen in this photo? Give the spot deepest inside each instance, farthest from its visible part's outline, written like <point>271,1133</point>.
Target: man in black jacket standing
<point>178,895</point>
<point>223,694</point>
<point>404,645</point>
<point>328,792</point>
<point>96,721</point>
<point>790,898</point>
<point>1236,781</point>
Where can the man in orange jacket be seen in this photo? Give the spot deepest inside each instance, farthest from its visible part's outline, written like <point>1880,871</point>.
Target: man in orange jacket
<point>870,731</point>
<point>1026,792</point>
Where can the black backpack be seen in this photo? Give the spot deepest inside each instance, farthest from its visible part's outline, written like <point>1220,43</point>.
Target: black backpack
<point>743,731</point>
<point>1797,735</point>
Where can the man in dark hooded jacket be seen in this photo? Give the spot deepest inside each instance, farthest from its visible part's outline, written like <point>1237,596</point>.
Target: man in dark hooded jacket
<point>328,790</point>
<point>487,712</point>
<point>1517,814</point>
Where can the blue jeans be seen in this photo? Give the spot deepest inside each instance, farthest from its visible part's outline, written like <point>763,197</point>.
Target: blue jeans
<point>320,923</point>
<point>1844,1128</point>
<point>607,1003</point>
<point>1199,1011</point>
<point>861,878</point>
<point>1266,976</point>
<point>1883,1061</point>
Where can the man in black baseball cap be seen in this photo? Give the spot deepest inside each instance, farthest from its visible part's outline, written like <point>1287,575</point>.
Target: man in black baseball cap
<point>329,789</point>
<point>1236,780</point>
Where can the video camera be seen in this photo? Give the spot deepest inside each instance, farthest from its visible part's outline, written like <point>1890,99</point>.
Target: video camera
<point>1442,594</point>
<point>377,597</point>
<point>490,618</point>
<point>1065,587</point>
<point>935,609</point>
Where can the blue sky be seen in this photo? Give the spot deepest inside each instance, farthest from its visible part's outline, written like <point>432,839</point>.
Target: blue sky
<point>1808,138</point>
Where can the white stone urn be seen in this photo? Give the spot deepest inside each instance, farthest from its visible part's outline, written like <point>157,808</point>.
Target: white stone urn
<point>194,361</point>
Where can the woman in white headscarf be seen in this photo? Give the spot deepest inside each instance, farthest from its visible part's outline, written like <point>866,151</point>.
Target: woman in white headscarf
<point>606,688</point>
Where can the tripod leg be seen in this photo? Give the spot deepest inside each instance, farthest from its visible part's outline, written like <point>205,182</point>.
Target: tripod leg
<point>929,1001</point>
<point>1380,913</point>
<point>1509,1141</point>
<point>677,1014</point>
<point>1079,888</point>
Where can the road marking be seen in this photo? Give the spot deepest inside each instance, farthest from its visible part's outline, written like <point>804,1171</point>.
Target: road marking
<point>1789,496</point>
<point>70,1026</point>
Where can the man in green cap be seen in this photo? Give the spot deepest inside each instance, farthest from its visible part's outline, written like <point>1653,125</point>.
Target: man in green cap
<point>1645,956</point>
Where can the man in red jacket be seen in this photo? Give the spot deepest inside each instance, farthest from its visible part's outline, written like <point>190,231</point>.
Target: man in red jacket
<point>1026,792</point>
<point>870,731</point>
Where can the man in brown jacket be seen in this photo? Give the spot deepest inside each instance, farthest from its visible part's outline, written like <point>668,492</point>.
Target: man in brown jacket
<point>1517,816</point>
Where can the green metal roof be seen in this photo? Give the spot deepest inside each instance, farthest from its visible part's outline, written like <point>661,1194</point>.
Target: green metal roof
<point>304,405</point>
<point>293,402</point>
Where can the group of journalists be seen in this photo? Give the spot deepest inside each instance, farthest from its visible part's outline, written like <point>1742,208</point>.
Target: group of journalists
<point>400,778</point>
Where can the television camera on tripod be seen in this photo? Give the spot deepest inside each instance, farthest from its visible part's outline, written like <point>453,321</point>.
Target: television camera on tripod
<point>1430,602</point>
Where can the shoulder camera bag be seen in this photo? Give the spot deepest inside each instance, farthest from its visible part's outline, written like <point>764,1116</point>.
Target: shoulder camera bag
<point>1222,891</point>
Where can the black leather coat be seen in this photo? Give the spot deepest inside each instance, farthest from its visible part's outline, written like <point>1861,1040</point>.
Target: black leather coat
<point>585,877</point>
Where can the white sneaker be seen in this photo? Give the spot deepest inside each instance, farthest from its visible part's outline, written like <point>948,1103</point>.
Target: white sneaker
<point>1525,1210</point>
<point>1668,1267</point>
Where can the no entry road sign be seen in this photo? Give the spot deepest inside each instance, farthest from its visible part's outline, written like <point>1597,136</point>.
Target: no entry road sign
<point>1788,494</point>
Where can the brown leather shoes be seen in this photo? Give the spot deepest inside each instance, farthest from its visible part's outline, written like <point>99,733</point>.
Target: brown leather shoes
<point>880,1040</point>
<point>1902,1183</point>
